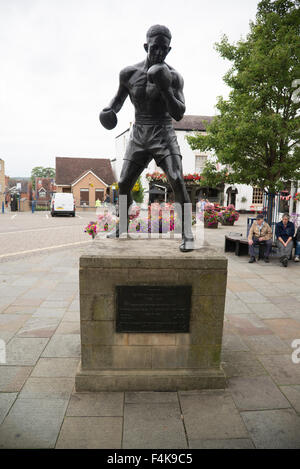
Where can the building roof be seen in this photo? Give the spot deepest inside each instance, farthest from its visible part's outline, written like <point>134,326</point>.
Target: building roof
<point>70,169</point>
<point>84,173</point>
<point>47,183</point>
<point>12,183</point>
<point>189,122</point>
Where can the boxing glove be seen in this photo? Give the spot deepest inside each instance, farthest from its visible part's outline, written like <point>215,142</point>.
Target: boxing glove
<point>108,118</point>
<point>160,75</point>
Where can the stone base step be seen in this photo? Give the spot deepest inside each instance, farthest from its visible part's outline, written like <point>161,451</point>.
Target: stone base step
<point>149,380</point>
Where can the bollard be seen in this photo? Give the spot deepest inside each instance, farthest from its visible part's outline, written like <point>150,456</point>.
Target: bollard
<point>33,206</point>
<point>2,207</point>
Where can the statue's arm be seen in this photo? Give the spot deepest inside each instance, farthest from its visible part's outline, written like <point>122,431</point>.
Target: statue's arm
<point>108,116</point>
<point>122,93</point>
<point>174,98</point>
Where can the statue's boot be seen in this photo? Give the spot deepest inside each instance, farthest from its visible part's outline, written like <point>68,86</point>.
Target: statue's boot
<point>187,244</point>
<point>114,234</point>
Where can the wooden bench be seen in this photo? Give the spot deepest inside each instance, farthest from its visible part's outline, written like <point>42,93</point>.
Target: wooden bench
<point>235,242</point>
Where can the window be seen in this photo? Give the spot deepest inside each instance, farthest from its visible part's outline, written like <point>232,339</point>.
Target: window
<point>257,195</point>
<point>99,194</point>
<point>84,197</point>
<point>200,161</point>
<point>42,193</point>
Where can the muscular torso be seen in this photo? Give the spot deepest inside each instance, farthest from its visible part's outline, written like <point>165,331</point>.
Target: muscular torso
<point>145,96</point>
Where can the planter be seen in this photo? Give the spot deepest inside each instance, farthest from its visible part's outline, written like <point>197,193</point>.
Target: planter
<point>213,225</point>
<point>228,223</point>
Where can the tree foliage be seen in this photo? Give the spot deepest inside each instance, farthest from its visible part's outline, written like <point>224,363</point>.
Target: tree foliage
<point>256,132</point>
<point>212,177</point>
<point>40,171</point>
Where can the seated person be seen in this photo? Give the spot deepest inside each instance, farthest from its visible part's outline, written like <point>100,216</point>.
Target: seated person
<point>285,230</point>
<point>297,243</point>
<point>260,234</point>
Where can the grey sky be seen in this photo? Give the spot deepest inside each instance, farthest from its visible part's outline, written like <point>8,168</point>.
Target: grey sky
<point>60,61</point>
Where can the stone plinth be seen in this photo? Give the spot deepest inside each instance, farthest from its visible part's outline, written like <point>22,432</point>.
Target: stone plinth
<point>112,361</point>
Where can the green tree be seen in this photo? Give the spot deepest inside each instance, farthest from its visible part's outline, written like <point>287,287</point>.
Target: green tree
<point>256,132</point>
<point>212,177</point>
<point>40,171</point>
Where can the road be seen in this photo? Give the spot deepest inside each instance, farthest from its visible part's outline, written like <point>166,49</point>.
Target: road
<point>26,232</point>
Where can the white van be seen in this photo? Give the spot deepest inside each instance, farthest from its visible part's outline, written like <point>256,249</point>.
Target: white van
<point>62,203</point>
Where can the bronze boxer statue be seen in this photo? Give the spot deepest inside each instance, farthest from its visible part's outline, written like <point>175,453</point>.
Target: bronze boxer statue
<point>156,91</point>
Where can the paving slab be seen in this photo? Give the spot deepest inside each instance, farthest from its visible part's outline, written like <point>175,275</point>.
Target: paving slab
<point>18,309</point>
<point>55,304</point>
<point>281,368</point>
<point>63,345</point>
<point>68,327</point>
<point>24,351</point>
<point>12,378</point>
<point>211,415</point>
<point>98,404</point>
<point>47,388</point>
<point>56,367</point>
<point>252,297</point>
<point>273,429</point>
<point>150,397</point>
<point>156,425</point>
<point>256,393</point>
<point>49,312</point>
<point>72,316</point>
<point>248,325</point>
<point>266,344</point>
<point>233,443</point>
<point>239,286</point>
<point>286,328</point>
<point>6,401</point>
<point>32,423</point>
<point>241,364</point>
<point>90,433</point>
<point>292,393</point>
<point>39,327</point>
<point>236,306</point>
<point>267,310</point>
<point>234,343</point>
<point>12,322</point>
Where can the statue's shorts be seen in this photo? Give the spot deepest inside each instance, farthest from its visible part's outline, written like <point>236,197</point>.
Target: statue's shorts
<point>151,141</point>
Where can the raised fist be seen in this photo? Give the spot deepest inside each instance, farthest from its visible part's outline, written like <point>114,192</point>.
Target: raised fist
<point>160,75</point>
<point>108,118</point>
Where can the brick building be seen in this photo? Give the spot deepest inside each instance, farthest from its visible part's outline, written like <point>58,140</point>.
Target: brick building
<point>87,178</point>
<point>44,189</point>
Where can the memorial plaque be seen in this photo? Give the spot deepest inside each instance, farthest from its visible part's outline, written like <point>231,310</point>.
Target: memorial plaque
<point>153,308</point>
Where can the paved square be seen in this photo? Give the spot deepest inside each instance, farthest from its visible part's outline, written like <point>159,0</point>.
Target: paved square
<point>39,323</point>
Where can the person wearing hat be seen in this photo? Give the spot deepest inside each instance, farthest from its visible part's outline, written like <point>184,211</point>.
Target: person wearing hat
<point>260,234</point>
<point>285,231</point>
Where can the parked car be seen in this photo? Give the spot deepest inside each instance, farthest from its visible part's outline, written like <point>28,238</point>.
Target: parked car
<point>62,203</point>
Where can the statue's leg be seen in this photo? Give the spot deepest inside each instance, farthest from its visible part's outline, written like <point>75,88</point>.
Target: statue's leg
<point>129,175</point>
<point>172,167</point>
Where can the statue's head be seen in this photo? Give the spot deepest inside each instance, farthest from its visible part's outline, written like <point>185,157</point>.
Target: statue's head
<point>158,43</point>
